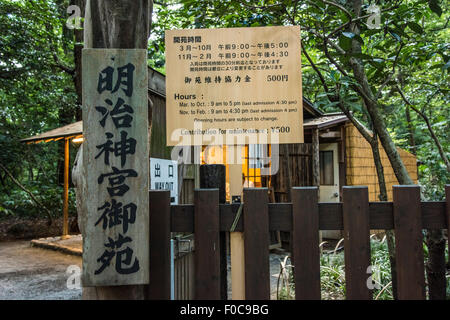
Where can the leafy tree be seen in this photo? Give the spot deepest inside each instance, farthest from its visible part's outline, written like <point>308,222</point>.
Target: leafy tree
<point>36,94</point>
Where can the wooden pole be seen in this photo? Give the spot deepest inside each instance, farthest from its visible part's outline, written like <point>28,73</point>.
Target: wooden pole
<point>213,176</point>
<point>159,210</point>
<point>237,256</point>
<point>355,212</point>
<point>256,241</point>
<point>316,166</point>
<point>409,242</point>
<point>207,283</point>
<point>305,236</point>
<point>65,233</point>
<point>287,172</point>
<point>316,157</point>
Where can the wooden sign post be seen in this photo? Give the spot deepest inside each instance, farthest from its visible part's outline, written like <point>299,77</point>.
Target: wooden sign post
<point>116,239</point>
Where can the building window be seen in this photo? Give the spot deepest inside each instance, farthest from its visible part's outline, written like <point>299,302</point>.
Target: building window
<point>326,168</point>
<point>255,159</point>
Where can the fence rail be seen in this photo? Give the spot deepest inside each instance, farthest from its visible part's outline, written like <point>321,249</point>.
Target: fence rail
<point>407,215</point>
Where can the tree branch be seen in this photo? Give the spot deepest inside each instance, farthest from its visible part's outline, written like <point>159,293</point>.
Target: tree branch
<point>60,65</point>
<point>316,69</point>
<point>58,62</point>
<point>8,74</point>
<point>356,20</point>
<point>337,5</point>
<point>259,7</point>
<point>430,128</point>
<point>389,77</point>
<point>336,98</point>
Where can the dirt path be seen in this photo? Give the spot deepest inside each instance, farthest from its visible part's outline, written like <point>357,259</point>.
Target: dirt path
<point>32,273</point>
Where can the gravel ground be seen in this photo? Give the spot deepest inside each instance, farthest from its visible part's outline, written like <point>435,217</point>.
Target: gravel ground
<point>28,273</point>
<point>275,267</point>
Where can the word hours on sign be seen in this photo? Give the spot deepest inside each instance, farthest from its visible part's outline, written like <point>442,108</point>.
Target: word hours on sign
<point>115,153</point>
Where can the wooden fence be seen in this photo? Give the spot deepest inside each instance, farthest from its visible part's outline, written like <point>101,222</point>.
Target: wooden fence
<point>183,277</point>
<point>304,217</point>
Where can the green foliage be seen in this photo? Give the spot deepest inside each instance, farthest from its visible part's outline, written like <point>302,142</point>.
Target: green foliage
<point>332,274</point>
<point>381,269</point>
<point>19,204</point>
<point>35,95</point>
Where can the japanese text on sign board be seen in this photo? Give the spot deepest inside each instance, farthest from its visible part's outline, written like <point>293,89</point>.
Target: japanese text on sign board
<point>115,148</point>
<point>115,213</point>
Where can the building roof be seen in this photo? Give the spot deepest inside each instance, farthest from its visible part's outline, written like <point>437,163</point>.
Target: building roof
<point>326,120</point>
<point>309,107</point>
<point>69,131</point>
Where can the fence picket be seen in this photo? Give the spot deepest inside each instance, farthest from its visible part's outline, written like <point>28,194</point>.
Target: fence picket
<point>408,243</point>
<point>355,211</point>
<point>159,217</point>
<point>256,244</point>
<point>207,244</point>
<point>305,243</point>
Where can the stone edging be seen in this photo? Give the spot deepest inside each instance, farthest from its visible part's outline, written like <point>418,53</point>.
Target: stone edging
<point>50,243</point>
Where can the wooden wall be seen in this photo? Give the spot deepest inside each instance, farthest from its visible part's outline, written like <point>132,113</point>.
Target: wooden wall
<point>158,147</point>
<point>360,168</point>
<point>300,169</point>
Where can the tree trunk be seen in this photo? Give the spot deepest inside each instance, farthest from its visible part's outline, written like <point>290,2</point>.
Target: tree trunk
<point>435,267</point>
<point>380,129</point>
<point>373,109</point>
<point>383,197</point>
<point>123,24</point>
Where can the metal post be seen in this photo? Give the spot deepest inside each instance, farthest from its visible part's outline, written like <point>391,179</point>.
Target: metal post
<point>172,269</point>
<point>214,176</point>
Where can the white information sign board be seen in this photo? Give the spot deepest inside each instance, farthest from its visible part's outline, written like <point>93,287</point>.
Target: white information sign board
<point>164,176</point>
